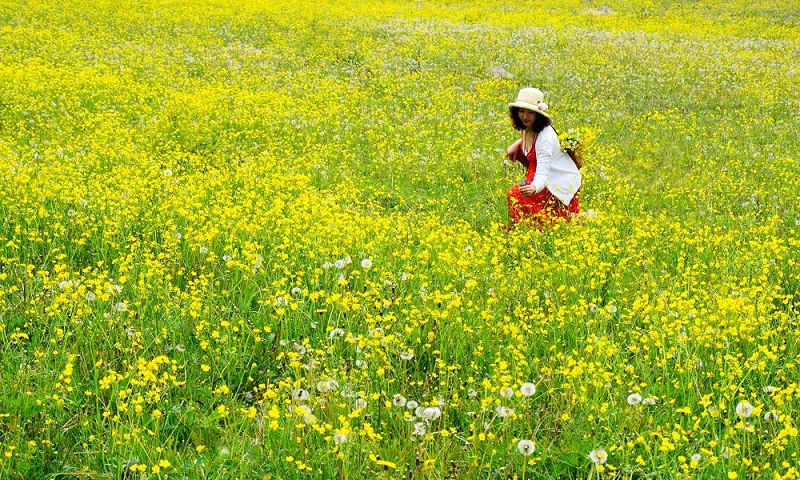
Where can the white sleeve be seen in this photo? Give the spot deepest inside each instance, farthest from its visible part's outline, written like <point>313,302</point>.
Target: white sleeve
<point>546,147</point>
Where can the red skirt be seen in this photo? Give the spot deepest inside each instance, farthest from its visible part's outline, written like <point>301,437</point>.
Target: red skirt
<point>541,207</point>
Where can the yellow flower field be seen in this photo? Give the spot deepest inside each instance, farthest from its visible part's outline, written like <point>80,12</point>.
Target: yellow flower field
<point>265,240</point>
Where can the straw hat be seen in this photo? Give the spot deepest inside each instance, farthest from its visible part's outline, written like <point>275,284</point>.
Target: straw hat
<point>530,99</point>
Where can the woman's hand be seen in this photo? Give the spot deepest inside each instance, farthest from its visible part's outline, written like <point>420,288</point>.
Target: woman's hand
<point>527,190</point>
<point>511,153</point>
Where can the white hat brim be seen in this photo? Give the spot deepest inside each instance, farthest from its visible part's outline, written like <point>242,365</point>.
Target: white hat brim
<point>527,106</point>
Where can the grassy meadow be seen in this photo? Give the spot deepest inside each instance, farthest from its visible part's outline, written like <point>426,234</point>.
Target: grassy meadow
<point>265,240</point>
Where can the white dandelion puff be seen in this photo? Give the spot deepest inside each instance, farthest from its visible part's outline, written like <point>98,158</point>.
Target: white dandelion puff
<point>336,332</point>
<point>770,416</point>
<point>527,389</point>
<point>325,386</point>
<point>634,399</point>
<point>526,447</point>
<point>429,414</point>
<point>598,457</point>
<point>503,411</point>
<point>300,394</point>
<point>744,409</point>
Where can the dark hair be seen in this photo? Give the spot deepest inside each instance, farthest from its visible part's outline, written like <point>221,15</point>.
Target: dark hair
<point>538,124</point>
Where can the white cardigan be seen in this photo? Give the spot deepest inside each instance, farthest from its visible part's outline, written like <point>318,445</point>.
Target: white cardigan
<point>554,167</point>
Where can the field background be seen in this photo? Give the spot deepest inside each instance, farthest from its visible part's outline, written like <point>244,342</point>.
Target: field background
<point>244,239</point>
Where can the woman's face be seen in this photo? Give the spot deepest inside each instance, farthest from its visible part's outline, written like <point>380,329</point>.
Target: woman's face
<point>527,117</point>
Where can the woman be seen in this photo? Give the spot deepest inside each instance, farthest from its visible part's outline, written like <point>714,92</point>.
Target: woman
<point>552,183</point>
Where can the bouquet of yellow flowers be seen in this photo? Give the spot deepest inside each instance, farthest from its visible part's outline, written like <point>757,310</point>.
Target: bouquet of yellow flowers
<point>572,141</point>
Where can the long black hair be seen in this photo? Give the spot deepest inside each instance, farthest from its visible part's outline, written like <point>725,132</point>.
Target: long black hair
<point>538,124</point>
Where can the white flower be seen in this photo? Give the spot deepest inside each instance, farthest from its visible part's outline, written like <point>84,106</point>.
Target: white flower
<point>327,385</point>
<point>649,401</point>
<point>227,258</point>
<point>634,399</point>
<point>336,332</point>
<point>503,412</point>
<point>526,447</point>
<point>419,429</point>
<point>203,250</point>
<point>300,394</point>
<point>612,309</point>
<point>296,290</point>
<point>696,457</point>
<point>770,416</point>
<point>769,389</point>
<point>744,409</point>
<point>120,307</point>
<point>406,355</point>
<point>91,297</point>
<point>326,265</point>
<point>366,263</point>
<point>167,172</point>
<point>412,405</point>
<point>527,389</point>
<point>472,393</point>
<point>506,392</point>
<point>399,400</point>
<point>430,413</point>
<point>598,457</point>
<point>361,403</point>
<point>339,438</point>
<point>339,264</point>
<point>305,412</point>
<point>71,212</point>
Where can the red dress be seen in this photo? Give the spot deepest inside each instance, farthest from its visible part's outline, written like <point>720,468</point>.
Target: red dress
<point>540,207</point>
